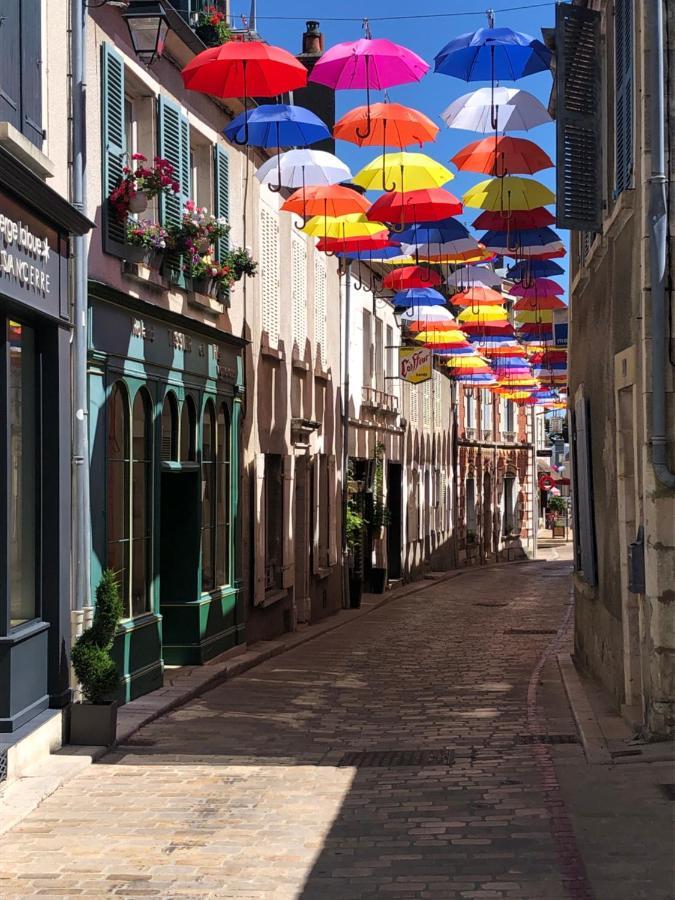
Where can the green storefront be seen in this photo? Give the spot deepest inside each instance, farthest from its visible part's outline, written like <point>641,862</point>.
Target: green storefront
<point>165,402</point>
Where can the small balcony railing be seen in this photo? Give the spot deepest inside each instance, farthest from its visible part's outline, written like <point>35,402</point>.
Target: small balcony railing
<point>470,434</point>
<point>372,398</point>
<point>509,437</point>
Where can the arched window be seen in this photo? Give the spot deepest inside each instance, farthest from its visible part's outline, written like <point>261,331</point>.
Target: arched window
<point>188,427</point>
<point>169,428</point>
<point>119,464</point>
<point>223,498</point>
<point>208,496</point>
<point>141,495</point>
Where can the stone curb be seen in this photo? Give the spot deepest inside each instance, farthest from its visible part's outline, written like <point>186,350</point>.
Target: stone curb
<point>592,738</point>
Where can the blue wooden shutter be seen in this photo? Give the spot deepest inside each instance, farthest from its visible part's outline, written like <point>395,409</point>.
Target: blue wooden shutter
<point>221,204</point>
<point>10,70</point>
<point>31,70</point>
<point>583,490</point>
<point>623,70</point>
<point>174,145</point>
<point>114,142</point>
<point>578,119</point>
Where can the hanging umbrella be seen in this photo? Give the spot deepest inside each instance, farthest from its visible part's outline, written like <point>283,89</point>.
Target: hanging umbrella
<point>539,217</point>
<point>391,125</point>
<point>417,312</point>
<point>508,193</point>
<point>364,243</point>
<point>501,156</point>
<point>277,125</point>
<point>370,63</point>
<point>515,243</point>
<point>447,338</point>
<point>469,276</point>
<point>375,255</point>
<point>418,296</point>
<point>527,271</point>
<point>487,315</point>
<point>299,168</point>
<point>330,200</point>
<point>244,69</point>
<point>403,171</point>
<point>341,227</point>
<point>427,205</point>
<point>450,250</point>
<point>545,302</point>
<point>538,286</point>
<point>490,54</point>
<point>433,232</point>
<point>478,296</point>
<point>411,277</point>
<point>511,109</point>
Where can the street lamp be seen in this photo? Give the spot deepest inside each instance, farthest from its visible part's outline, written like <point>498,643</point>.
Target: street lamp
<point>148,27</point>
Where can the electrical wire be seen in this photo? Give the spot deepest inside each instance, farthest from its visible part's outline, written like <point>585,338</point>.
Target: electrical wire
<point>446,15</point>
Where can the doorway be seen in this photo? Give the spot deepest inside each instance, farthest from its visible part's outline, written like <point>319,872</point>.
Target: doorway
<point>301,531</point>
<point>179,536</point>
<point>394,529</point>
<point>487,514</point>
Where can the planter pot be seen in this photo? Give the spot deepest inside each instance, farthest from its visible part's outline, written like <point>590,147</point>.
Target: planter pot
<point>138,203</point>
<point>93,724</point>
<point>355,590</point>
<point>204,245</point>
<point>378,580</point>
<point>208,34</point>
<point>207,286</point>
<point>153,259</point>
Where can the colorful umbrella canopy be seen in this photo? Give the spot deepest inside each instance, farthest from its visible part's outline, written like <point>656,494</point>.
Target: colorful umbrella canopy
<point>422,296</point>
<point>373,255</point>
<point>478,296</point>
<point>539,286</point>
<point>508,193</point>
<point>303,167</point>
<point>450,250</point>
<point>539,217</point>
<point>511,109</point>
<point>391,125</point>
<point>531,269</point>
<point>493,53</point>
<point>411,277</point>
<point>545,302</point>
<point>368,243</point>
<point>483,314</point>
<point>502,156</point>
<point>342,227</point>
<point>535,315</point>
<point>426,205</point>
<point>402,171</point>
<point>433,232</point>
<point>514,243</point>
<point>468,276</point>
<point>441,338</point>
<point>330,200</point>
<point>277,125</point>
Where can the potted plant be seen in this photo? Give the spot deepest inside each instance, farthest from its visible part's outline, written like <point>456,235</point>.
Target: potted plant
<point>149,240</point>
<point>354,525</point>
<point>140,183</point>
<point>379,518</point>
<point>212,27</point>
<point>242,263</point>
<point>94,720</point>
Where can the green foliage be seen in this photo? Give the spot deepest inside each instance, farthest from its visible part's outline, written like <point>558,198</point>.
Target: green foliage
<point>557,505</point>
<point>381,516</point>
<point>354,524</point>
<point>94,667</point>
<point>242,263</point>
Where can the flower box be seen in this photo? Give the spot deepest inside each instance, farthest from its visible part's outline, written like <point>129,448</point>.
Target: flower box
<point>208,34</point>
<point>145,256</point>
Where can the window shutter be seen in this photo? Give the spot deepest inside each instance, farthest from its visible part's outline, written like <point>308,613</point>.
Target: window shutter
<point>114,142</point>
<point>173,133</point>
<point>623,68</point>
<point>221,200</point>
<point>426,405</point>
<point>367,349</point>
<point>31,69</point>
<point>299,292</point>
<point>583,493</point>
<point>320,308</point>
<point>332,513</point>
<point>578,104</point>
<point>259,529</point>
<point>316,524</point>
<point>288,557</point>
<point>414,404</point>
<point>269,224</point>
<point>10,70</point>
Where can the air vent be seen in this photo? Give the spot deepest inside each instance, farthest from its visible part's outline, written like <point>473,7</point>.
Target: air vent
<point>392,759</point>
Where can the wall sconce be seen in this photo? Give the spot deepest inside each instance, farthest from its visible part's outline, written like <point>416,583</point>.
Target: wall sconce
<point>148,27</point>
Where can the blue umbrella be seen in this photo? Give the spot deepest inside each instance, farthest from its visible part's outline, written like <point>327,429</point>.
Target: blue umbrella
<point>534,268</point>
<point>455,351</point>
<point>525,237</point>
<point>277,125</point>
<point>433,232</point>
<point>418,297</point>
<point>372,255</point>
<point>491,54</point>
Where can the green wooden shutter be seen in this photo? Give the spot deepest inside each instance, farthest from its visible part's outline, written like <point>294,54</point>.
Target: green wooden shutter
<point>174,145</point>
<point>221,205</point>
<point>114,142</point>
<point>623,71</point>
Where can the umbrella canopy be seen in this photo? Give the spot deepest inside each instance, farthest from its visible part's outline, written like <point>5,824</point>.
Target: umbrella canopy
<point>326,200</point>
<point>468,276</point>
<point>535,315</point>
<point>277,125</point>
<point>527,237</point>
<point>450,250</point>
<point>427,205</point>
<point>511,108</point>
<point>391,124</point>
<point>368,63</point>
<point>303,167</point>
<point>411,277</point>
<point>402,171</point>
<point>545,302</point>
<point>483,314</point>
<point>536,268</point>
<point>342,227</point>
<point>433,232</point>
<point>508,193</point>
<point>478,296</point>
<point>539,286</point>
<point>369,243</point>
<point>244,69</point>
<point>422,296</point>
<point>539,217</point>
<point>493,53</point>
<point>502,156</point>
<point>374,255</point>
<point>448,337</point>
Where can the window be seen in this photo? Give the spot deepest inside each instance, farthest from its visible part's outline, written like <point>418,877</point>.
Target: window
<point>391,367</point>
<point>584,530</point>
<point>141,491</point>
<point>324,508</point>
<point>188,427</point>
<point>509,417</point>
<point>367,349</point>
<point>508,504</point>
<point>118,490</point>
<point>623,93</point>
<point>274,525</point>
<point>21,68</point>
<point>269,242</point>
<point>486,411</point>
<point>320,308</point>
<point>468,410</point>
<point>129,128</point>
<point>222,536</point>
<point>22,421</point>
<point>299,292</point>
<point>208,497</point>
<point>379,355</point>
<point>169,428</point>
<point>471,505</point>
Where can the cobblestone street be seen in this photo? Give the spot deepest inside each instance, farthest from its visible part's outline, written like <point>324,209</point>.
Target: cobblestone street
<point>399,756</point>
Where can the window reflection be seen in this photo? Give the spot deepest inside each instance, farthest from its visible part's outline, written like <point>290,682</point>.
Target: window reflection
<point>118,489</point>
<point>208,497</point>
<point>140,496</point>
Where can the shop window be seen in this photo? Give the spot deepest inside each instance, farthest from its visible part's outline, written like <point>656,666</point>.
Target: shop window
<point>208,497</point>
<point>468,411</point>
<point>471,505</point>
<point>169,429</point>
<point>509,418</point>
<point>273,521</point>
<point>222,532</point>
<point>22,419</point>
<point>188,428</point>
<point>141,492</point>
<point>509,521</point>
<point>119,464</point>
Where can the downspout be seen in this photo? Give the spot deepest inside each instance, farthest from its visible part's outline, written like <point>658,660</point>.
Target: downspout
<point>658,216</point>
<point>81,509</point>
<point>345,408</point>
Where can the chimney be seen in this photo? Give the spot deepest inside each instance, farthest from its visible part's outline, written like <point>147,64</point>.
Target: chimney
<point>312,40</point>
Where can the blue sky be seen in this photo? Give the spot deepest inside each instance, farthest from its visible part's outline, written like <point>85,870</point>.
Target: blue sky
<point>426,36</point>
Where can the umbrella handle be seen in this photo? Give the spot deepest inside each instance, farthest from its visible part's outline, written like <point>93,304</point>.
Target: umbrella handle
<point>304,203</point>
<point>359,286</point>
<point>276,188</point>
<point>236,139</point>
<point>369,124</point>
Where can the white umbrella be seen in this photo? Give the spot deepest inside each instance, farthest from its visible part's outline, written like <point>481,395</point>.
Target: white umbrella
<point>516,110</point>
<point>422,312</point>
<point>298,168</point>
<point>472,276</point>
<point>449,248</point>
<point>528,250</point>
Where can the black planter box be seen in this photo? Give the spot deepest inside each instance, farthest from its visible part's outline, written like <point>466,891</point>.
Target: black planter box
<point>93,724</point>
<point>153,259</point>
<point>355,590</point>
<point>378,580</point>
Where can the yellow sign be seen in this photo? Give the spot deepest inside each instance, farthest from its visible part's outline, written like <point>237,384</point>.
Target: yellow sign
<point>414,364</point>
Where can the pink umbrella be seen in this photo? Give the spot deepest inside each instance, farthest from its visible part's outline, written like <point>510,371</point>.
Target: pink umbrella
<point>540,287</point>
<point>368,63</point>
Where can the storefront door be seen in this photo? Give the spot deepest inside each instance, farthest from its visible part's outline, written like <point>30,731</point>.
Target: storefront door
<point>179,536</point>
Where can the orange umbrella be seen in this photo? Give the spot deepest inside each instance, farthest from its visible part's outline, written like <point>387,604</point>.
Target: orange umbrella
<point>502,156</point>
<point>545,302</point>
<point>329,200</point>
<point>391,124</point>
<point>478,296</point>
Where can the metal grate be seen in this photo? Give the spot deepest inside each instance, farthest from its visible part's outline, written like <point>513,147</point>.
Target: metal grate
<point>547,739</point>
<point>3,764</point>
<point>390,759</point>
<point>530,631</point>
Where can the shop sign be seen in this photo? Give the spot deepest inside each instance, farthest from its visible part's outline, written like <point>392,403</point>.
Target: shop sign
<point>560,334</point>
<point>414,364</point>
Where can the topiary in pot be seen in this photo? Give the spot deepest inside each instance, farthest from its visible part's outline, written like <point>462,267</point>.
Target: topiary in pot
<point>95,721</point>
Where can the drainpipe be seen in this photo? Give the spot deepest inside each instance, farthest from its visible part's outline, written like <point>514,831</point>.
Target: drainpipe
<point>345,404</point>
<point>81,518</point>
<point>658,216</point>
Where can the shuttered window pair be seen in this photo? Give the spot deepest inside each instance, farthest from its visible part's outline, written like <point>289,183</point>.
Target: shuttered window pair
<point>320,277</point>
<point>299,292</point>
<point>269,242</point>
<point>21,67</point>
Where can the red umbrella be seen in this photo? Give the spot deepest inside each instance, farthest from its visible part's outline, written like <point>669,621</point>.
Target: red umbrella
<point>429,205</point>
<point>243,69</point>
<point>539,217</point>
<point>377,241</point>
<point>501,156</point>
<point>411,277</point>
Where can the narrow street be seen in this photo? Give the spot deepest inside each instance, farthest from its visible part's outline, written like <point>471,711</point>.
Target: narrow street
<point>393,757</point>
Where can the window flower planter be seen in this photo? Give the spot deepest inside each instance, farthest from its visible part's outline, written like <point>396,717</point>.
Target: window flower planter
<point>138,202</point>
<point>145,256</point>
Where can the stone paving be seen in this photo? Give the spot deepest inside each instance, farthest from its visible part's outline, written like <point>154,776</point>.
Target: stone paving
<point>253,790</point>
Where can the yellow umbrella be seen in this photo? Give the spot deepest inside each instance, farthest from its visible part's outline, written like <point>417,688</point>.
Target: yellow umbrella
<point>483,314</point>
<point>510,193</point>
<point>467,362</point>
<point>441,337</point>
<point>539,315</point>
<point>340,227</point>
<point>402,171</point>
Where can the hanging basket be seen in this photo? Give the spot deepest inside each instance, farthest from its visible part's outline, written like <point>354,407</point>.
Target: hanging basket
<point>138,203</point>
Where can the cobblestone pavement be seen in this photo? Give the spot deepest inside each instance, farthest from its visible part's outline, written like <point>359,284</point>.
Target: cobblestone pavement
<point>255,790</point>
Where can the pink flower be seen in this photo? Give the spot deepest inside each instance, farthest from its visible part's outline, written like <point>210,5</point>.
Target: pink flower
<point>139,156</point>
